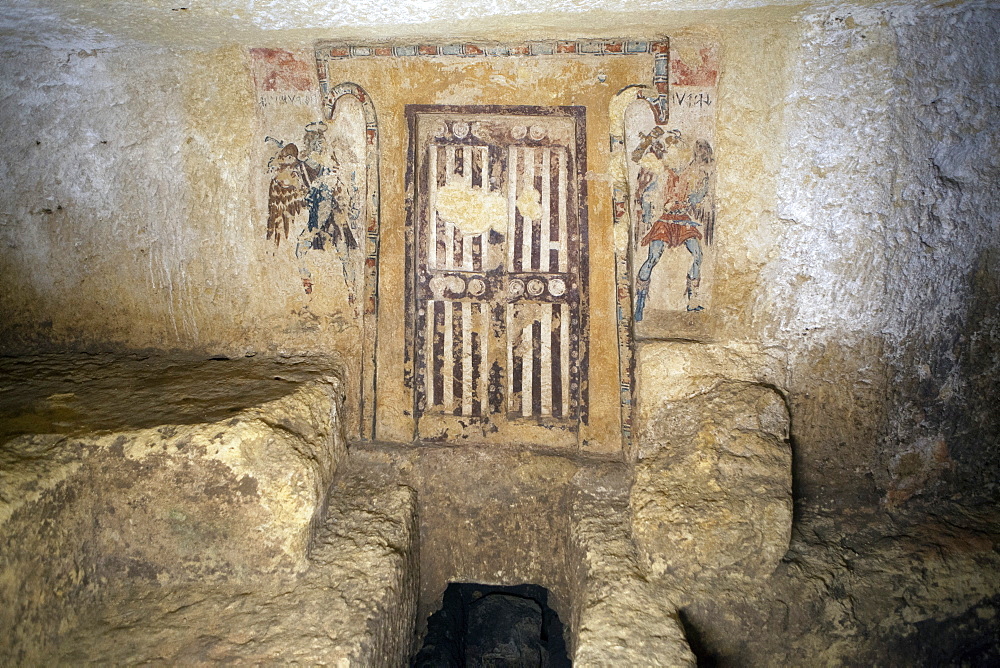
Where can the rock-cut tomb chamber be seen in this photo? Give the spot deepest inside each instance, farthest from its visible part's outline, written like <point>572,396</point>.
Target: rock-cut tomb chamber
<point>689,314</point>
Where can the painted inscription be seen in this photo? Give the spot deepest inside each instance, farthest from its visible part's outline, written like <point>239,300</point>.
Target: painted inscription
<point>274,99</point>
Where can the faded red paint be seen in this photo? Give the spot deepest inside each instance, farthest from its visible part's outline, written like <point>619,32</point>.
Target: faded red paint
<point>704,73</point>
<point>280,70</point>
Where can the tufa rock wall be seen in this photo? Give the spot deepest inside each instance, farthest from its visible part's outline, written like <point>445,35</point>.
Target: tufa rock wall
<point>129,218</point>
<point>879,286</point>
<point>856,248</point>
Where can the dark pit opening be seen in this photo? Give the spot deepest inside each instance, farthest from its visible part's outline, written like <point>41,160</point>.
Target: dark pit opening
<point>487,625</point>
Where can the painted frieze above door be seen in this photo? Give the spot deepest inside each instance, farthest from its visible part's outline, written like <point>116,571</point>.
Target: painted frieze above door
<point>498,251</point>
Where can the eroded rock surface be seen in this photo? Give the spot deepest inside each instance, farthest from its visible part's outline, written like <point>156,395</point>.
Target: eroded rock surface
<point>920,588</point>
<point>353,606</point>
<point>205,542</point>
<point>620,618</point>
<point>513,516</point>
<point>82,393</point>
<point>712,492</point>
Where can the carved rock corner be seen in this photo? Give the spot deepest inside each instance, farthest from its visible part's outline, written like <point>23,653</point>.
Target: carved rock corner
<point>711,497</point>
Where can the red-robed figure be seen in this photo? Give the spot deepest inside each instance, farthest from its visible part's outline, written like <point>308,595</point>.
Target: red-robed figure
<point>673,228</point>
<point>688,191</point>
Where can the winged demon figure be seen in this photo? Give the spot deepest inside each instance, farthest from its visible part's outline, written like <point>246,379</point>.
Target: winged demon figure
<point>287,193</point>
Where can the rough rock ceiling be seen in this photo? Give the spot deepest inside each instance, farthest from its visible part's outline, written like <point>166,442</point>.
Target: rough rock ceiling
<point>104,23</point>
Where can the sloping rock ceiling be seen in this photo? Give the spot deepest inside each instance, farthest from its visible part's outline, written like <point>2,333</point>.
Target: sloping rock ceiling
<point>96,23</point>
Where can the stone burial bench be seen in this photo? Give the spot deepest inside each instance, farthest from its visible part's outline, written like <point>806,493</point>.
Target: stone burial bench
<point>711,496</point>
<point>202,543</point>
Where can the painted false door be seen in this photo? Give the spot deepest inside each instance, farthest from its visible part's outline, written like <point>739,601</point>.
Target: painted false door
<point>499,247</point>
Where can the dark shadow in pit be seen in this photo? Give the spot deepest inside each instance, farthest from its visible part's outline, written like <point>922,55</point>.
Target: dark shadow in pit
<point>480,626</point>
<point>704,656</point>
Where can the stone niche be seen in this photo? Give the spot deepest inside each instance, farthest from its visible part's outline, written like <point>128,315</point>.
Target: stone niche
<point>461,221</point>
<point>518,187</point>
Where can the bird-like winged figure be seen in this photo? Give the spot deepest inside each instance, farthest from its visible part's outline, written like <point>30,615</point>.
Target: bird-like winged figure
<point>287,193</point>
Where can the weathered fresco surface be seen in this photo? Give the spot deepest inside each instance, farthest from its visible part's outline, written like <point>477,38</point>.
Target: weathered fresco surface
<point>319,196</point>
<point>560,385</point>
<point>312,180</point>
<point>498,327</point>
<point>500,294</point>
<point>671,168</point>
<point>316,196</point>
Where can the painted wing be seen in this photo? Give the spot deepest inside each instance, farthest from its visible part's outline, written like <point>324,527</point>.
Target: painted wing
<point>285,198</point>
